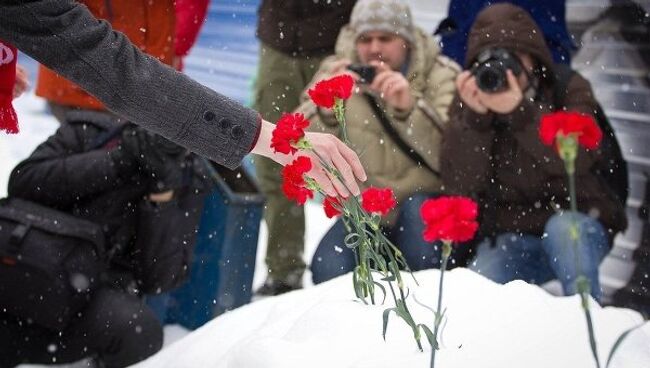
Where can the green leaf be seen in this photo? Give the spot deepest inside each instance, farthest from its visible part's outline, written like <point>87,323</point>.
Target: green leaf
<point>430,337</point>
<point>386,314</point>
<point>352,240</point>
<point>405,315</point>
<point>619,341</point>
<point>383,290</point>
<point>359,290</point>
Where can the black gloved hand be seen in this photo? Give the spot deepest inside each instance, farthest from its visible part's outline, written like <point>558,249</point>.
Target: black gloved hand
<point>166,165</point>
<point>151,155</point>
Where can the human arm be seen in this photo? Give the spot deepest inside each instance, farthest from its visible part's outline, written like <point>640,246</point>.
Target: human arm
<point>465,152</point>
<point>190,16</point>
<point>65,37</point>
<point>59,173</point>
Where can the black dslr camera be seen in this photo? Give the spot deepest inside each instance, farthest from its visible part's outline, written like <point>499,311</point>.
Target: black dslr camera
<point>366,72</point>
<point>490,69</point>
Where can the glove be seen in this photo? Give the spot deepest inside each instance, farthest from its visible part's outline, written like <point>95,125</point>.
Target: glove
<point>153,156</point>
<point>167,164</point>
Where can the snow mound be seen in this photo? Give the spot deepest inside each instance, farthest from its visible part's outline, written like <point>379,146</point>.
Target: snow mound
<point>488,325</point>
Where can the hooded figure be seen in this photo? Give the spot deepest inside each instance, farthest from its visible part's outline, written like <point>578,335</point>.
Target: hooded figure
<point>492,152</point>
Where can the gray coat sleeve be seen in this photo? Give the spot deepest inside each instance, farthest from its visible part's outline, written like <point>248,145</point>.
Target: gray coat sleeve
<point>64,36</point>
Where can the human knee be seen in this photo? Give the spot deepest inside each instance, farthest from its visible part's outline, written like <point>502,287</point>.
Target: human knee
<point>563,223</point>
<point>126,330</point>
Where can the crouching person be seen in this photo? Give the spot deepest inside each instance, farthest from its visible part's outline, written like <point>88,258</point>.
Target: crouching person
<point>492,151</point>
<point>145,193</point>
<point>395,121</point>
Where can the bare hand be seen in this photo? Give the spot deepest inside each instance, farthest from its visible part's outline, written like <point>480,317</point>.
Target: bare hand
<point>22,81</point>
<point>331,149</point>
<point>392,87</point>
<point>503,102</point>
<point>468,92</point>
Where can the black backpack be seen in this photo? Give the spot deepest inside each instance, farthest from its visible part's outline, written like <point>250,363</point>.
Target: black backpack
<point>613,168</point>
<point>50,262</point>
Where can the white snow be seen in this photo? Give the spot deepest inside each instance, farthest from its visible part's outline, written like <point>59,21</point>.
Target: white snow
<point>488,325</point>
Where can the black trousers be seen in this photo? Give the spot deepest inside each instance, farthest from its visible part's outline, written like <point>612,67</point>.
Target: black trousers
<point>116,328</point>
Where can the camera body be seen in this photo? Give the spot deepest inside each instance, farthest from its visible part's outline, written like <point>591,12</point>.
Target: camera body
<point>366,72</point>
<point>490,69</point>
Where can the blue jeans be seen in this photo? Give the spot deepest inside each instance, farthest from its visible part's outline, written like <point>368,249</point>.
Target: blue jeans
<point>537,259</point>
<point>333,258</point>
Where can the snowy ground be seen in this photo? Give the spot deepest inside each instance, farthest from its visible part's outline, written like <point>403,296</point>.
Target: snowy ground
<point>488,326</point>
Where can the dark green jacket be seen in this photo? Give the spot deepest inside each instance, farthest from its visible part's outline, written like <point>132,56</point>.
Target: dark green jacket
<point>302,27</point>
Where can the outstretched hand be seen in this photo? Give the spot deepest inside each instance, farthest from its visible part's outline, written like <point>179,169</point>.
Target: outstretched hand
<point>331,150</point>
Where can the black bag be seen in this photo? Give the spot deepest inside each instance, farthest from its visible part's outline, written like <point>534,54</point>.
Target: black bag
<point>50,262</point>
<point>613,168</point>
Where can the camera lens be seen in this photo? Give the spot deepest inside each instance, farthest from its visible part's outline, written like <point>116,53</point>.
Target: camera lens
<point>490,78</point>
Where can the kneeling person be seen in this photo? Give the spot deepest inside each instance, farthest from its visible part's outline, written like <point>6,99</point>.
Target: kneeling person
<point>492,151</point>
<point>394,122</point>
<point>146,194</point>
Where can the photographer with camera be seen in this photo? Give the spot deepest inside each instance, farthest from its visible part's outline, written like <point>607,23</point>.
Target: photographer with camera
<point>395,119</point>
<point>145,196</point>
<point>492,151</point>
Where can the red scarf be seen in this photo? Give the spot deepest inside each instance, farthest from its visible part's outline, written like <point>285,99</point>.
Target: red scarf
<point>8,119</point>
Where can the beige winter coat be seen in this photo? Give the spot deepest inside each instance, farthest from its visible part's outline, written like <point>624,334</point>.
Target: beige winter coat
<point>431,76</point>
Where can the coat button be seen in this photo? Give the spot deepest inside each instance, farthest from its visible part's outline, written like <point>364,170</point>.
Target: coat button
<point>224,123</point>
<point>209,116</point>
<point>237,131</point>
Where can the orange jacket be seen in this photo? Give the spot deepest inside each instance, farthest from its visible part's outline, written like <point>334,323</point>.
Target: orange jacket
<point>148,24</point>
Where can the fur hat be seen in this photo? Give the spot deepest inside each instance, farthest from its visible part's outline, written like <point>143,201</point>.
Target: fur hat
<point>392,16</point>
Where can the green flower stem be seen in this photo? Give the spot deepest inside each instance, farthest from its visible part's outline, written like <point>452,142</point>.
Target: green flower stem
<point>339,114</point>
<point>568,148</point>
<point>370,246</point>
<point>446,252</point>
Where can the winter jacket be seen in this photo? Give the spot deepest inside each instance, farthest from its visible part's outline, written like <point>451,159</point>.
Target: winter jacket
<point>64,36</point>
<point>550,15</point>
<point>190,16</point>
<point>300,27</point>
<point>150,25</point>
<point>500,159</point>
<point>431,77</point>
<point>149,243</point>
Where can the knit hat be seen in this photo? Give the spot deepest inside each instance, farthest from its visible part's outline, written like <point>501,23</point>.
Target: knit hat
<point>392,16</point>
<point>8,119</point>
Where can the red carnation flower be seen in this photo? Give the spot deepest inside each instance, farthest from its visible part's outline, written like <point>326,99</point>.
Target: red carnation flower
<point>327,91</point>
<point>566,123</point>
<point>449,219</point>
<point>293,181</point>
<point>288,131</point>
<point>375,200</point>
<point>332,206</point>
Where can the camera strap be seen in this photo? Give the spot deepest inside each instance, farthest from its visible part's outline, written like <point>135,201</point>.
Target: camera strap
<point>394,135</point>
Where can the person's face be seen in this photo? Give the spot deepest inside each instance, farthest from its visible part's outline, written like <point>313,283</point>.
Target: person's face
<point>382,46</point>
